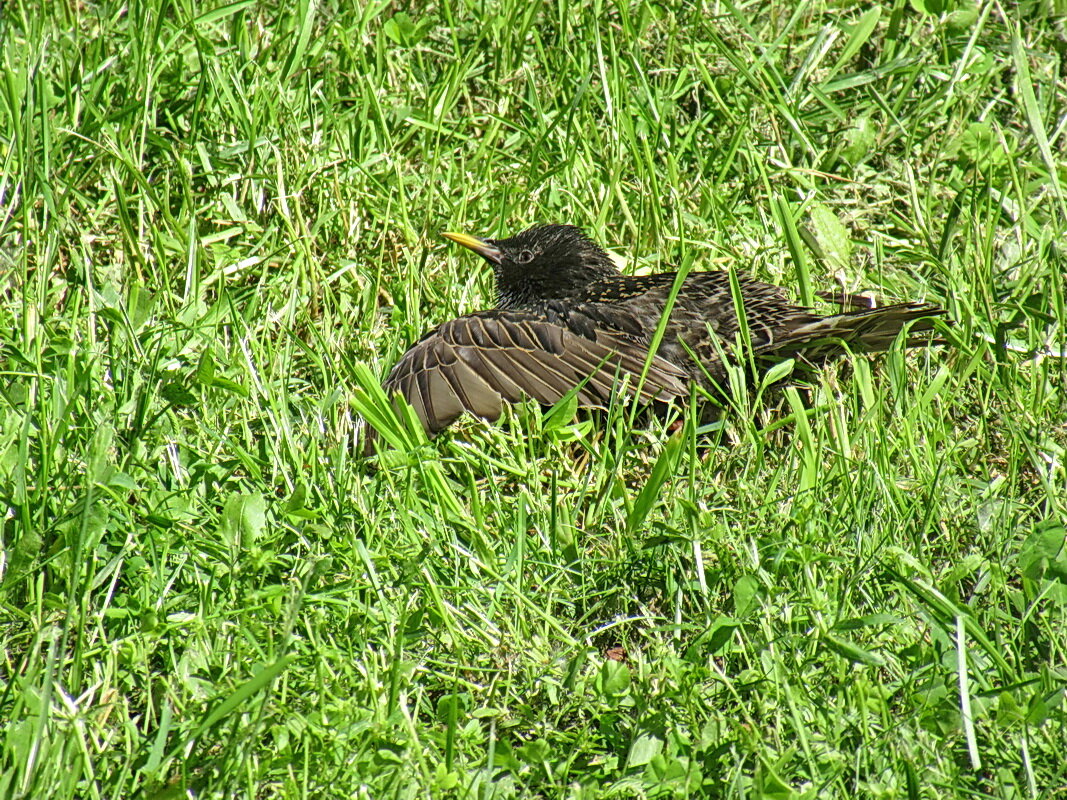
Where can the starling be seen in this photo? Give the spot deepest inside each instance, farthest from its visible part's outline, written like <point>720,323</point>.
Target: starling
<point>566,317</point>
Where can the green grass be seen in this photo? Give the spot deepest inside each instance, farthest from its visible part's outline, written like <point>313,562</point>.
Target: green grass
<point>214,222</point>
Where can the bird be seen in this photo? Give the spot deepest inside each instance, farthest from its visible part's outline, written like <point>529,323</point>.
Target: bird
<point>567,319</point>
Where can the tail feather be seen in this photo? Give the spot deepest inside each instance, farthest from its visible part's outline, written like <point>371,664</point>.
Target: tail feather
<point>871,330</point>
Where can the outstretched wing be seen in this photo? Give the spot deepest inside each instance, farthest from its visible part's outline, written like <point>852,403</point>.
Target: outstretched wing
<point>476,363</point>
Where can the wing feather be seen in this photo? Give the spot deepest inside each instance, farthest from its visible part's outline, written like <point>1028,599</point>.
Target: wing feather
<point>476,363</point>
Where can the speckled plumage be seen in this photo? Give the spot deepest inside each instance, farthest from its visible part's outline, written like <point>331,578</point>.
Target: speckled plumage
<point>567,317</point>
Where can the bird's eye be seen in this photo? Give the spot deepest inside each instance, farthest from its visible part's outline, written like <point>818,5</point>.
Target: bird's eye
<point>524,256</point>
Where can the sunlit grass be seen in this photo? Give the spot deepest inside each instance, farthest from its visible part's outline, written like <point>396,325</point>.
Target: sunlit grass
<point>217,226</point>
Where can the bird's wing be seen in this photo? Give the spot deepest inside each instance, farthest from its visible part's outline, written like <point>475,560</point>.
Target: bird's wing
<point>478,362</point>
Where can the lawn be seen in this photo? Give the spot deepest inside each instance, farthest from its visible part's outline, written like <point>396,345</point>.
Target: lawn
<point>219,227</point>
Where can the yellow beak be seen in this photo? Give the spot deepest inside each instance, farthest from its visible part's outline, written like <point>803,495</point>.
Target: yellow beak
<point>485,249</point>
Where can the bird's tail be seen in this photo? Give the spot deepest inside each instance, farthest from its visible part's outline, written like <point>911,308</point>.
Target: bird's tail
<point>871,330</point>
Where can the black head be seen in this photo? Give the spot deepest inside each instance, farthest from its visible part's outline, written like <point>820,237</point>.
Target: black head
<point>541,263</point>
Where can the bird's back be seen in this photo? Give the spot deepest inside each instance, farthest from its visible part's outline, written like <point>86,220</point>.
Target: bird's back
<point>703,319</point>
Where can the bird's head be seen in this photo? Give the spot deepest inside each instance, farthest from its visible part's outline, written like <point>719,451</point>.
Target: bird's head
<point>545,262</point>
